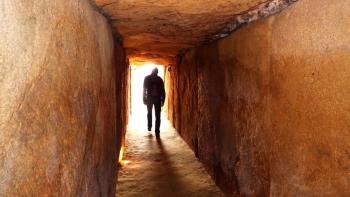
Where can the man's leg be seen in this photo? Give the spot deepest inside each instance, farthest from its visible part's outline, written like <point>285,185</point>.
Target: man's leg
<point>158,108</point>
<point>149,115</point>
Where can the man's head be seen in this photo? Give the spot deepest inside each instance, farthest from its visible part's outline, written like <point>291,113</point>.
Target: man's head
<point>155,71</point>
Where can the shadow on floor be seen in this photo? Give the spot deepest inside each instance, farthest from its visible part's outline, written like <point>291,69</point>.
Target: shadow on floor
<point>163,167</point>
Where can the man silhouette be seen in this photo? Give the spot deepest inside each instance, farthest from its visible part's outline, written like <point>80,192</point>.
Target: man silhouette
<point>153,94</point>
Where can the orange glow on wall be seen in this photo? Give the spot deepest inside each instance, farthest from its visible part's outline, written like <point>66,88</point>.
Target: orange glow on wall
<point>121,153</point>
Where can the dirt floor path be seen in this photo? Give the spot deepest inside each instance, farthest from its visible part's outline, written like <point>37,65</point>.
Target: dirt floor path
<point>165,167</point>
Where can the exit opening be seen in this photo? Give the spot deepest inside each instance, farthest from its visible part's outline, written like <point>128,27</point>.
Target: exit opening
<point>138,110</point>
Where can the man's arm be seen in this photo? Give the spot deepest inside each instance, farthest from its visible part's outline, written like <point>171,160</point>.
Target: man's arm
<point>163,93</point>
<point>145,91</point>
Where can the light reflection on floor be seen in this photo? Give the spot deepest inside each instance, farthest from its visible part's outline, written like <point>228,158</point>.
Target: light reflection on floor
<point>161,167</point>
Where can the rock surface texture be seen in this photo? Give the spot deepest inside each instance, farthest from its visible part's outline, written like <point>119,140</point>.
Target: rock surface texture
<point>267,108</point>
<point>60,74</point>
<point>157,30</point>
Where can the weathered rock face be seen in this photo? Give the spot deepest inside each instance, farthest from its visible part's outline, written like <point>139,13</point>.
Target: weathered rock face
<point>58,87</point>
<point>157,30</point>
<point>270,103</point>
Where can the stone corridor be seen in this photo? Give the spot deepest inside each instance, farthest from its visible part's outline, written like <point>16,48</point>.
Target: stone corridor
<point>258,98</point>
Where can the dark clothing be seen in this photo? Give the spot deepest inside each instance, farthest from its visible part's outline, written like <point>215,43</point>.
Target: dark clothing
<point>153,94</point>
<point>157,108</point>
<point>153,86</point>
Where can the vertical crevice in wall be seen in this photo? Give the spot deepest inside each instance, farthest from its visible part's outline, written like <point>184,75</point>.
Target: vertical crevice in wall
<point>122,92</point>
<point>267,122</point>
<point>178,101</point>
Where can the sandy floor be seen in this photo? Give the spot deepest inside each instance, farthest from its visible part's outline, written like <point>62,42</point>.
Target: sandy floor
<point>165,167</point>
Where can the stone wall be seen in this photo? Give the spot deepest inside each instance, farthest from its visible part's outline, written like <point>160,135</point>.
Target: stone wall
<point>60,77</point>
<point>267,108</point>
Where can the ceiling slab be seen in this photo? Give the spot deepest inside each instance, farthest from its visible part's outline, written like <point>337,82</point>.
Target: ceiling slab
<point>156,29</point>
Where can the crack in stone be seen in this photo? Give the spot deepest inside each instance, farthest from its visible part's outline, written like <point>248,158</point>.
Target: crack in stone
<point>261,11</point>
<point>107,4</point>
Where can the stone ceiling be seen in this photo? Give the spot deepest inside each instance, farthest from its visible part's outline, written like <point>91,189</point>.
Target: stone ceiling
<point>156,30</point>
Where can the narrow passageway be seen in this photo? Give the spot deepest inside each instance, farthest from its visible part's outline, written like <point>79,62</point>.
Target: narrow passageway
<point>257,98</point>
<point>161,167</point>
